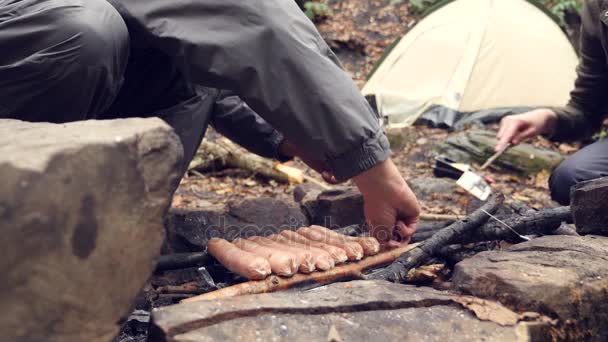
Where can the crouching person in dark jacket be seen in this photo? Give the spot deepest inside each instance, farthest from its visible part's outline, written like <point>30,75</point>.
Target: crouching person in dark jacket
<point>257,70</point>
<point>582,116</point>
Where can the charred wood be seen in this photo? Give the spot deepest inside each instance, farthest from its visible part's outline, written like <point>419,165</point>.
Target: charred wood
<point>397,272</point>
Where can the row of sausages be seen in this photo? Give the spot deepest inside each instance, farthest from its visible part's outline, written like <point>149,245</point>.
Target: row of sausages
<point>305,250</point>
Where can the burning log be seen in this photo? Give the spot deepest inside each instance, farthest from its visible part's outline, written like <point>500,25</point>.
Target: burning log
<point>397,272</point>
<point>540,222</point>
<point>275,283</point>
<point>182,260</point>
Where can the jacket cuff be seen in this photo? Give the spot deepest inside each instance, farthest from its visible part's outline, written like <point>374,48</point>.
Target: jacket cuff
<point>565,127</point>
<point>372,152</point>
<point>275,139</point>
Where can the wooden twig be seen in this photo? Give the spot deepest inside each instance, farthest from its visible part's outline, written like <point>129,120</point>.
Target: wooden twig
<point>494,157</point>
<point>397,272</point>
<point>275,283</point>
<point>440,217</point>
<point>191,287</point>
<point>313,180</point>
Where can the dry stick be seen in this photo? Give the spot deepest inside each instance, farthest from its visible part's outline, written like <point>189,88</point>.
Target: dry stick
<point>397,272</point>
<point>235,156</point>
<point>275,283</point>
<point>440,217</point>
<point>494,157</point>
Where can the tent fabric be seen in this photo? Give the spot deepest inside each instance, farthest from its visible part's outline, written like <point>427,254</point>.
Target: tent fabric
<point>473,55</point>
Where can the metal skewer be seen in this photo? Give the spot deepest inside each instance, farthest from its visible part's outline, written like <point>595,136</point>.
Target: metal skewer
<point>506,225</point>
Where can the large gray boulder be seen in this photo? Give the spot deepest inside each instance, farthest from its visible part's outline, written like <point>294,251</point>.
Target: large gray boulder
<point>563,277</point>
<point>81,217</point>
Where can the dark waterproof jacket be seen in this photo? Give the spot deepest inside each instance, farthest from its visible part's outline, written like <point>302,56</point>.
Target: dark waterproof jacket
<point>273,58</point>
<point>588,103</point>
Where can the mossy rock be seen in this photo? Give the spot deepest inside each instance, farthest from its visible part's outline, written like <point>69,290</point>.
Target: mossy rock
<point>477,146</point>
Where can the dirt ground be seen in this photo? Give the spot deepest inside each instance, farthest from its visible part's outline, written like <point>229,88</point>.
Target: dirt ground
<point>359,31</point>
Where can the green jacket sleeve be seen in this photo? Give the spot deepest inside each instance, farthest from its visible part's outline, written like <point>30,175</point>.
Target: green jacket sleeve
<point>270,54</point>
<point>588,101</point>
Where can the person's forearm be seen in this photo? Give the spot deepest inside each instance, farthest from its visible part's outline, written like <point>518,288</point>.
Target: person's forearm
<point>551,119</point>
<point>271,55</point>
<point>571,124</point>
<point>234,119</point>
<point>588,101</point>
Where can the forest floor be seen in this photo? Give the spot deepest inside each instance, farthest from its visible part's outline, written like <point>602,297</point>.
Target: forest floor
<point>359,31</point>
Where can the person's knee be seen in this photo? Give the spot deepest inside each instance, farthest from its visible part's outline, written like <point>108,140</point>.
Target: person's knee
<point>73,65</point>
<point>99,34</point>
<point>561,180</point>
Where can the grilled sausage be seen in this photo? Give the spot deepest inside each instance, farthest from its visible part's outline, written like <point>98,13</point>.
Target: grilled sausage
<point>338,254</point>
<point>353,250</point>
<point>281,262</point>
<point>323,261</point>
<point>239,261</point>
<point>304,257</point>
<point>370,245</point>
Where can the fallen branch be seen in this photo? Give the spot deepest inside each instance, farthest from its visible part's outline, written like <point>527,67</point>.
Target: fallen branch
<point>542,222</point>
<point>182,260</point>
<point>275,283</point>
<point>232,155</point>
<point>397,272</point>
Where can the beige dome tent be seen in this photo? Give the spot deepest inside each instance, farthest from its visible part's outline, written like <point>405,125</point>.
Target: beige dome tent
<point>472,55</point>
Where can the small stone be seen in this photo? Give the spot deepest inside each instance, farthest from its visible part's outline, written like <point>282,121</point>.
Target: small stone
<point>339,208</point>
<point>428,186</point>
<point>589,207</point>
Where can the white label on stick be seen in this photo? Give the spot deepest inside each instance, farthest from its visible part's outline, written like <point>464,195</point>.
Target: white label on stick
<point>475,185</point>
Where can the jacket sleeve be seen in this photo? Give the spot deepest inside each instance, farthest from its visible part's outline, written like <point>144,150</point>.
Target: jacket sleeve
<point>588,101</point>
<point>236,120</point>
<point>270,54</point>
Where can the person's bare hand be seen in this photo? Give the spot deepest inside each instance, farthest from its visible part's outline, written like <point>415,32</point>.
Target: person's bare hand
<point>517,128</point>
<point>391,208</point>
<point>289,149</point>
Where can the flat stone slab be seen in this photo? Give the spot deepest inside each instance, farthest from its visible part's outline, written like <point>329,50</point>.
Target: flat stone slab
<point>354,311</point>
<point>563,277</point>
<point>81,216</point>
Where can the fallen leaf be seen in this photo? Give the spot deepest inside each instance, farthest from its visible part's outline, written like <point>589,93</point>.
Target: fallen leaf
<point>333,335</point>
<point>486,310</point>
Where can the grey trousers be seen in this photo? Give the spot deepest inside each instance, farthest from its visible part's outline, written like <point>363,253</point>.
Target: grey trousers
<point>589,163</point>
<point>64,61</point>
